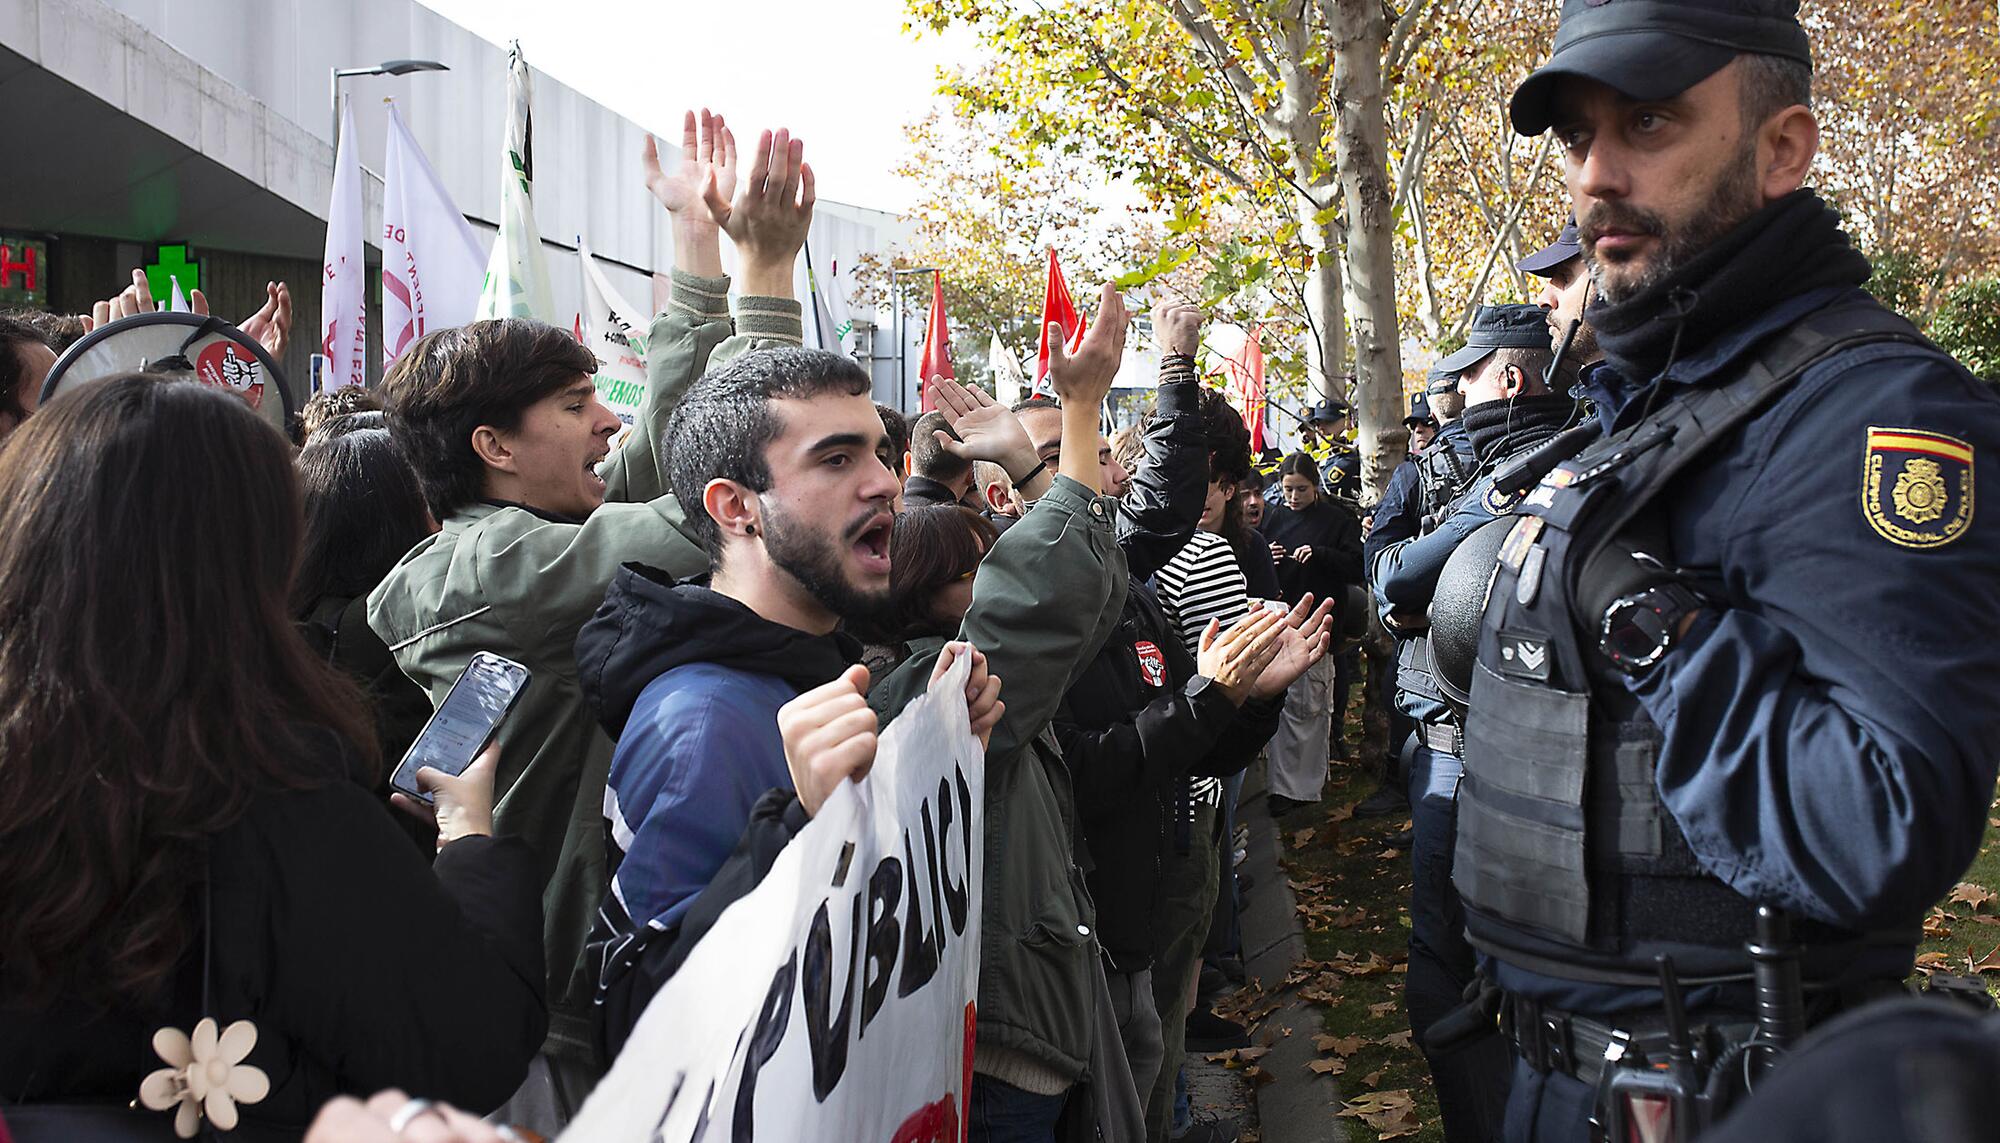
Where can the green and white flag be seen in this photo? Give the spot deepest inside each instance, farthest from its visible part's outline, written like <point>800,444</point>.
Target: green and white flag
<point>609,327</point>
<point>517,275</point>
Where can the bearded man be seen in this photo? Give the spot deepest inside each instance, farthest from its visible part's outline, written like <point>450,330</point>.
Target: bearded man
<point>1739,652</point>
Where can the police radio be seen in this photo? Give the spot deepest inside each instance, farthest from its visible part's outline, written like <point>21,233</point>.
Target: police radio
<point>1674,1098</point>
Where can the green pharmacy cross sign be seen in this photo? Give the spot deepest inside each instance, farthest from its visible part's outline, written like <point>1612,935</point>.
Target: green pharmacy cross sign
<point>173,264</point>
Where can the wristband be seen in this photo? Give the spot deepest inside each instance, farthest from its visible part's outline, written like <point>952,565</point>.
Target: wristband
<point>1041,466</point>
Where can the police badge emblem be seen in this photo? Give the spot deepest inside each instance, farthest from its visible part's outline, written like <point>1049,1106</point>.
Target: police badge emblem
<point>1916,487</point>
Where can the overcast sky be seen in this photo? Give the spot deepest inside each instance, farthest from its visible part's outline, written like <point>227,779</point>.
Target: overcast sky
<point>841,74</point>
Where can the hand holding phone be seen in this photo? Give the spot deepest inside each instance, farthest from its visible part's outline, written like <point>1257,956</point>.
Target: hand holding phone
<point>464,723</point>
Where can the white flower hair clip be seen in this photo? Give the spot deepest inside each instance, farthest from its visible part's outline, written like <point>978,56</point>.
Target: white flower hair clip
<point>205,1074</point>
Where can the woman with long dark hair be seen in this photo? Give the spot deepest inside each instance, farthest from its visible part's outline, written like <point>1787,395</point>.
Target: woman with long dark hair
<point>933,554</point>
<point>364,508</point>
<point>202,907</point>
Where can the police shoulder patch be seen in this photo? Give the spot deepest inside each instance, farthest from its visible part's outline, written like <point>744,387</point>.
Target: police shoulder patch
<point>1916,486</point>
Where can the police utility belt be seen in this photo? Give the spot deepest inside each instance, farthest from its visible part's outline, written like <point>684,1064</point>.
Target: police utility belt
<point>1560,1043</point>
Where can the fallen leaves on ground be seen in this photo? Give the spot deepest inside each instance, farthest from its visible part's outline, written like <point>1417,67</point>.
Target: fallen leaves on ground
<point>1967,893</point>
<point>1303,838</point>
<point>1393,1114</point>
<point>1327,1066</point>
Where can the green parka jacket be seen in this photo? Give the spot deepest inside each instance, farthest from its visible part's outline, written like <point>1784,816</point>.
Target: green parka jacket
<point>1045,599</point>
<point>518,584</point>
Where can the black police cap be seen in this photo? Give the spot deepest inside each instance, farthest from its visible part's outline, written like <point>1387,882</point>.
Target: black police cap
<point>1655,49</point>
<point>1498,327</point>
<point>1565,247</point>
<point>1331,409</point>
<point>1440,380</point>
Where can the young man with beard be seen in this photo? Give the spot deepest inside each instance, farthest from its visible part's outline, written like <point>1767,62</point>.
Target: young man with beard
<point>1509,412</point>
<point>504,427</point>
<point>779,451</point>
<point>1741,652</point>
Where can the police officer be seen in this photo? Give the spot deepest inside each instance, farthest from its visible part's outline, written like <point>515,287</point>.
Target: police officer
<point>1741,650</point>
<point>1424,483</point>
<point>1509,411</point>
<point>1340,469</point>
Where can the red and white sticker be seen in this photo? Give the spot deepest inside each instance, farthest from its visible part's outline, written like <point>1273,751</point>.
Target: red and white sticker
<point>1152,664</point>
<point>226,365</point>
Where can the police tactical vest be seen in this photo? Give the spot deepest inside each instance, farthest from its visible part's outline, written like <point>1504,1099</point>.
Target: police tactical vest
<point>1451,479</point>
<point>1568,862</point>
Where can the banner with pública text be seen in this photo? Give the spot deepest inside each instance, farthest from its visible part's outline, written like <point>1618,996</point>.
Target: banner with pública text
<point>836,1001</point>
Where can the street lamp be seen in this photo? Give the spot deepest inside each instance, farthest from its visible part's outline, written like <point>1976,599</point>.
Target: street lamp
<point>386,67</point>
<point>902,367</point>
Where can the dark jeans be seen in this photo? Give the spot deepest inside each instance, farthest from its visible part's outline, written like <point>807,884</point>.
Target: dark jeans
<point>1003,1113</point>
<point>1471,1081</point>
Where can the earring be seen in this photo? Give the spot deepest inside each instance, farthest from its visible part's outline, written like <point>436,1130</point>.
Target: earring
<point>750,529</point>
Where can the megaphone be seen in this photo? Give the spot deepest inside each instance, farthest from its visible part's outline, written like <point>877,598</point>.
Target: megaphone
<point>214,352</point>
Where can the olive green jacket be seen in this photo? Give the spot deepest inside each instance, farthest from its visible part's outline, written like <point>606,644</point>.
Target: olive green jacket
<point>1046,598</point>
<point>509,581</point>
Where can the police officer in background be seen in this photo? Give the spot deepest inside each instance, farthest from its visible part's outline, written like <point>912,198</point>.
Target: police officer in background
<point>1509,411</point>
<point>1340,469</point>
<point>1422,485</point>
<point>1743,649</point>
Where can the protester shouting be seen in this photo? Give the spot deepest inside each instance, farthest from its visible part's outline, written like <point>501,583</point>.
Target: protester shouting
<point>188,834</point>
<point>777,456</point>
<point>505,428</point>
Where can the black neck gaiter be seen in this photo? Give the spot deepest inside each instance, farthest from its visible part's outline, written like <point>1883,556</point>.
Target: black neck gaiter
<point>1790,247</point>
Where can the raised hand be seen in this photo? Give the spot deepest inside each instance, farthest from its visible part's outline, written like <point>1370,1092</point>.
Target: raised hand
<point>1236,658</point>
<point>987,429</point>
<point>829,736</point>
<point>769,214</point>
<point>136,298</point>
<point>271,325</point>
<point>1306,639</point>
<point>1177,328</point>
<point>708,147</point>
<point>1085,377</point>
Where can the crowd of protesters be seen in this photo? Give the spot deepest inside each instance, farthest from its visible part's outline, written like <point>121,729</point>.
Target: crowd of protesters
<point>215,643</point>
<point>218,642</point>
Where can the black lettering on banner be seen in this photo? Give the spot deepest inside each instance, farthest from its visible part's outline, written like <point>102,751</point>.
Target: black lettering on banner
<point>660,1128</point>
<point>920,946</point>
<point>885,891</point>
<point>770,1032</point>
<point>957,898</point>
<point>828,1038</point>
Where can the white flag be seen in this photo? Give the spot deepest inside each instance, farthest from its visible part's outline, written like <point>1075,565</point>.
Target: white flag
<point>610,328</point>
<point>1009,380</point>
<point>432,266</point>
<point>831,319</point>
<point>836,1000</point>
<point>343,308</point>
<point>517,276</point>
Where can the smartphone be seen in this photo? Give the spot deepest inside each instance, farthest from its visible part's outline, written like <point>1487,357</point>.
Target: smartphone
<point>466,721</point>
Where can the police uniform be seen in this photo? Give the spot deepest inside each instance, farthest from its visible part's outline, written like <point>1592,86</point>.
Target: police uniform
<point>1741,650</point>
<point>1471,1077</point>
<point>1420,487</point>
<point>1340,470</point>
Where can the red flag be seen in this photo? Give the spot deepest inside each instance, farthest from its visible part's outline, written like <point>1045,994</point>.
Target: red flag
<point>1057,309</point>
<point>1246,385</point>
<point>937,347</point>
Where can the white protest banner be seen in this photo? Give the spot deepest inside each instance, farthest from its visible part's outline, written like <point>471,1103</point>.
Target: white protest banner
<point>609,327</point>
<point>432,265</point>
<point>343,310</point>
<point>836,1001</point>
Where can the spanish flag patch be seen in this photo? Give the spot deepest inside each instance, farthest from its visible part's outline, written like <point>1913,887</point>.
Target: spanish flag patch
<point>1916,487</point>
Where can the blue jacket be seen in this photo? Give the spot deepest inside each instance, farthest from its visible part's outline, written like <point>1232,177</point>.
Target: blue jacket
<point>1400,514</point>
<point>1831,734</point>
<point>689,682</point>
